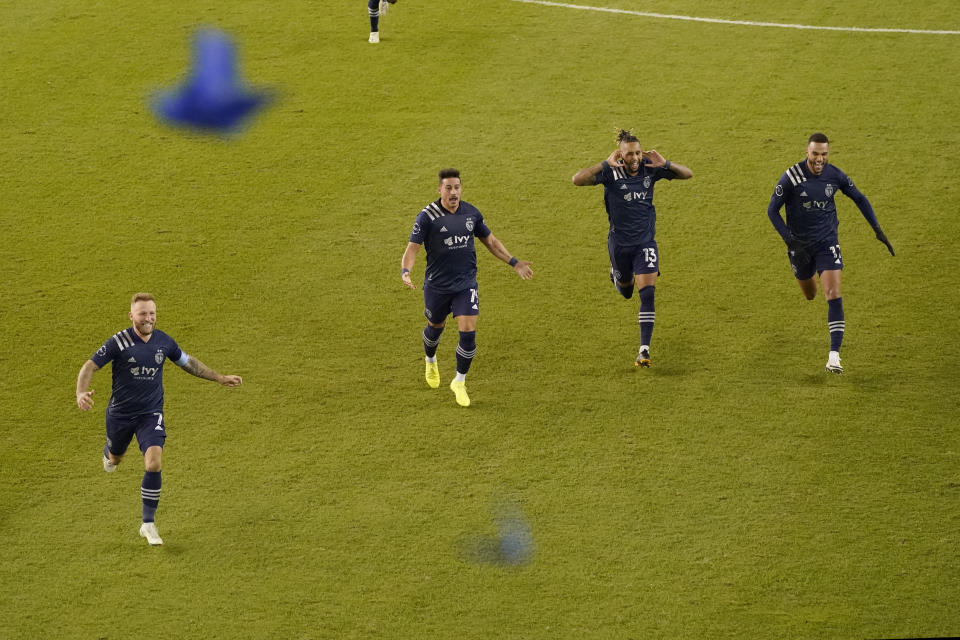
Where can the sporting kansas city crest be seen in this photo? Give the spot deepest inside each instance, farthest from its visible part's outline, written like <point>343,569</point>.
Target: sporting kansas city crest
<point>829,190</point>
<point>158,356</point>
<point>469,224</point>
<point>646,182</point>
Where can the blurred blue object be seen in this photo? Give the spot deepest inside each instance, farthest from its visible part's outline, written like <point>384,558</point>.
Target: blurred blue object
<point>214,97</point>
<point>516,541</point>
<point>513,545</point>
<point>513,534</point>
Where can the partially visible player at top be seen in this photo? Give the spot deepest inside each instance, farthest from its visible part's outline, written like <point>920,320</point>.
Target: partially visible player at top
<point>137,355</point>
<point>377,9</point>
<point>447,227</point>
<point>807,189</point>
<point>628,175</point>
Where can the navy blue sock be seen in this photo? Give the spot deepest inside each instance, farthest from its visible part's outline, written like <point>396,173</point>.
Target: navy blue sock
<point>835,322</point>
<point>431,338</point>
<point>373,7</point>
<point>646,315</point>
<point>150,492</point>
<point>466,349</point>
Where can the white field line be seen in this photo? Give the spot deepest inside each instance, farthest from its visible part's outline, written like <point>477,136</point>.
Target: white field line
<point>748,23</point>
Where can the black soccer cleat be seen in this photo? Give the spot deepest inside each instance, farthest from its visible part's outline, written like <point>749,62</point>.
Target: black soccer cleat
<point>643,358</point>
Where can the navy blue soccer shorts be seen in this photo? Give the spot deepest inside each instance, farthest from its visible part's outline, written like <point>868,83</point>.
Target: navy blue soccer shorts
<point>635,259</point>
<point>824,256</point>
<point>437,306</point>
<point>148,428</point>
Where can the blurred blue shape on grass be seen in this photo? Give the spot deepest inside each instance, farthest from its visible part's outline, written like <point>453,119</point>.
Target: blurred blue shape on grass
<point>213,98</point>
<point>515,537</point>
<point>513,544</point>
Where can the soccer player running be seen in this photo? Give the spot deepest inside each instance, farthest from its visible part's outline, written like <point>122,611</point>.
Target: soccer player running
<point>138,354</point>
<point>628,176</point>
<point>376,9</point>
<point>807,190</point>
<point>446,227</point>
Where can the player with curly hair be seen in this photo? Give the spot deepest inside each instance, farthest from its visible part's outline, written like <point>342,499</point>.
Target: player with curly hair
<point>628,176</point>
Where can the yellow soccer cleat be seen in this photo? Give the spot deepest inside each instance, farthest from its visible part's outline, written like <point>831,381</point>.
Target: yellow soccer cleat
<point>460,390</point>
<point>432,374</point>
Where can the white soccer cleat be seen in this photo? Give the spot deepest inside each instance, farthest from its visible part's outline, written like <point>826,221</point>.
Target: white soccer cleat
<point>108,466</point>
<point>833,363</point>
<point>374,37</point>
<point>148,530</point>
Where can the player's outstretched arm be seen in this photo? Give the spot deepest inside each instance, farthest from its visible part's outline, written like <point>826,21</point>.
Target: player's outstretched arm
<point>586,176</point>
<point>84,392</point>
<point>406,264</point>
<point>197,368</point>
<point>522,267</point>
<point>656,160</point>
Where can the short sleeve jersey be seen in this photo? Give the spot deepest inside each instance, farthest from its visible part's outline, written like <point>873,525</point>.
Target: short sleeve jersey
<point>448,239</point>
<point>629,202</point>
<point>809,200</point>
<point>137,370</point>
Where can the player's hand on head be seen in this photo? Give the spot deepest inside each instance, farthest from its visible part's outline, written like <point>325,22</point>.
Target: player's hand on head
<point>656,160</point>
<point>614,159</point>
<point>85,400</point>
<point>523,269</point>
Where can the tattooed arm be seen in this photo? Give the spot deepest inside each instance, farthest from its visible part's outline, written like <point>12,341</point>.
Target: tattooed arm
<point>84,392</point>
<point>197,368</point>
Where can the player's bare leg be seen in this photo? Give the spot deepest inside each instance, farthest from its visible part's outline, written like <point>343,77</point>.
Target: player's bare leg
<point>808,287</point>
<point>830,280</point>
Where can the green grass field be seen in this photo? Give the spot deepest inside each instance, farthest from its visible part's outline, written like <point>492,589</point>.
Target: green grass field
<point>732,491</point>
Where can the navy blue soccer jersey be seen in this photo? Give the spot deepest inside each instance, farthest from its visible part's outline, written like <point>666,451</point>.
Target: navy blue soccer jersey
<point>448,238</point>
<point>137,370</point>
<point>809,201</point>
<point>629,202</point>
